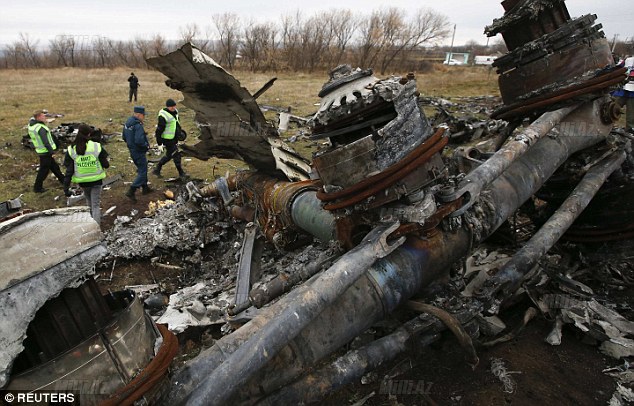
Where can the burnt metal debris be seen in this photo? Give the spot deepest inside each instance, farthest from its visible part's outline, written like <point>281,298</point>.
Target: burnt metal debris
<point>58,331</point>
<point>405,198</point>
<point>396,214</point>
<point>230,121</point>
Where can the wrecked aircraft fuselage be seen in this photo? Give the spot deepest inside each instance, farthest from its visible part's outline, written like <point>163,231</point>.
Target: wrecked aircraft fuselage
<point>58,333</point>
<point>405,215</point>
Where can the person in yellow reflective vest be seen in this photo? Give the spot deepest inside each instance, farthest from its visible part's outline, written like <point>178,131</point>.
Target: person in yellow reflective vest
<point>85,163</point>
<point>45,146</point>
<point>168,133</point>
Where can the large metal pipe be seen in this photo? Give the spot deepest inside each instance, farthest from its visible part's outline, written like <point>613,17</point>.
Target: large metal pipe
<point>371,298</point>
<point>512,273</point>
<point>471,186</point>
<point>307,214</point>
<point>218,387</point>
<point>388,283</point>
<point>354,364</point>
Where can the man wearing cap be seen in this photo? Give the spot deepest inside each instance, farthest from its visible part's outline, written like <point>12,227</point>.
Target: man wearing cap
<point>134,135</point>
<point>44,145</point>
<point>168,133</point>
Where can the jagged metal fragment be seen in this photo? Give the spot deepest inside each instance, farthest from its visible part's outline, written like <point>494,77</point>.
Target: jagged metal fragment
<point>37,265</point>
<point>230,121</point>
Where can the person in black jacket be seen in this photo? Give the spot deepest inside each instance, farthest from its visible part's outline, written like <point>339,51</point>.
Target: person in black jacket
<point>85,163</point>
<point>134,86</point>
<point>168,133</point>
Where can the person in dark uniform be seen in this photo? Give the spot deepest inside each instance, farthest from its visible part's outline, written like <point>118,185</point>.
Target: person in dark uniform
<point>134,86</point>
<point>85,163</point>
<point>134,135</point>
<point>168,133</point>
<point>44,144</point>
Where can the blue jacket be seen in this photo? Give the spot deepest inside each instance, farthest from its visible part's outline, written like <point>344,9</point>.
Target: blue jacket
<point>134,135</point>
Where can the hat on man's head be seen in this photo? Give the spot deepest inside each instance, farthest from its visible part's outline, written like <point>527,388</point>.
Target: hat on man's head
<point>38,112</point>
<point>170,102</point>
<point>139,109</point>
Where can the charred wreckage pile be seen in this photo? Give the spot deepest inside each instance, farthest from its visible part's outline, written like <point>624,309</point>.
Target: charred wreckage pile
<point>393,214</point>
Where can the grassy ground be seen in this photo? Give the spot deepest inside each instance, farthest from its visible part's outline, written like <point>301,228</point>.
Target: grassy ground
<point>99,97</point>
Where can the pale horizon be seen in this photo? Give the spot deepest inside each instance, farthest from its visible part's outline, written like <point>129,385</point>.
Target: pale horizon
<point>118,20</point>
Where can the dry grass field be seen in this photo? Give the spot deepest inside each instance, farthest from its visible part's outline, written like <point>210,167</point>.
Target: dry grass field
<point>99,97</point>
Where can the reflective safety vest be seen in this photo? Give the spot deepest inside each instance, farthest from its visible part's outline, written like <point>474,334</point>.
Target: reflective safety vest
<point>87,166</point>
<point>34,133</point>
<point>170,124</point>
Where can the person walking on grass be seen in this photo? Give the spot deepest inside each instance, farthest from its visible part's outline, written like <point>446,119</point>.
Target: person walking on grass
<point>168,133</point>
<point>45,146</point>
<point>135,137</point>
<point>134,86</point>
<point>85,163</point>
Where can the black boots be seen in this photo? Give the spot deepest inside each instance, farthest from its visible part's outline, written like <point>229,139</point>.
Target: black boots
<point>183,176</point>
<point>130,194</point>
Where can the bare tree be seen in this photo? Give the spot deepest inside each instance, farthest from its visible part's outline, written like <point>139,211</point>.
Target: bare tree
<point>191,33</point>
<point>29,50</point>
<point>402,36</point>
<point>370,39</point>
<point>103,49</point>
<point>388,34</point>
<point>124,53</point>
<point>14,55</point>
<point>291,39</point>
<point>143,48</point>
<point>258,46</point>
<point>315,39</point>
<point>62,47</point>
<point>158,45</point>
<point>343,25</point>
<point>228,27</point>
<point>207,45</point>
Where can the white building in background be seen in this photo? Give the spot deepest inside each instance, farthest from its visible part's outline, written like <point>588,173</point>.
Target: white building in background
<point>484,59</point>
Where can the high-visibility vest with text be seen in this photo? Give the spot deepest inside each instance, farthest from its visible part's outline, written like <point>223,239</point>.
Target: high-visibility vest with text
<point>87,166</point>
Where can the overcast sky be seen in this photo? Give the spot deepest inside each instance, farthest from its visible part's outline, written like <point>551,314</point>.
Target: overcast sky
<point>123,20</point>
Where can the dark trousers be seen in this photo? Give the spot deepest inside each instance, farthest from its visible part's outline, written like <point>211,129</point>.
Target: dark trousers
<point>133,91</point>
<point>47,164</point>
<point>140,160</point>
<point>171,152</point>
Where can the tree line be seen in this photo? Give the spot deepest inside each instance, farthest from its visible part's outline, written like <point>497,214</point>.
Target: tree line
<point>386,39</point>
